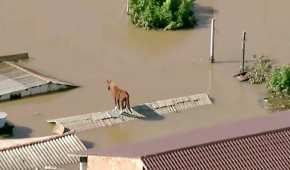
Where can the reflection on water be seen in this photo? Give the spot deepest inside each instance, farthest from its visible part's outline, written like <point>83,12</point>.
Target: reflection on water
<point>204,15</point>
<point>21,132</point>
<point>87,42</point>
<point>12,131</point>
<point>88,144</point>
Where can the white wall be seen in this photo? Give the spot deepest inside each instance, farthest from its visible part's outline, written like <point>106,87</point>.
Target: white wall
<point>113,163</point>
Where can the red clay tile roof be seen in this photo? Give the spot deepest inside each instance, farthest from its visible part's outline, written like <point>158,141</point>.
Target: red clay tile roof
<point>269,150</point>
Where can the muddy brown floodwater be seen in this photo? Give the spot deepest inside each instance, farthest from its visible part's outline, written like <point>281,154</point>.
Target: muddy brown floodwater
<point>88,41</point>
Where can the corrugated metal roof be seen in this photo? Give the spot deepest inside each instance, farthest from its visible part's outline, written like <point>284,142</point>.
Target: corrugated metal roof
<point>16,78</point>
<point>270,150</point>
<point>42,76</point>
<point>48,151</point>
<point>153,110</point>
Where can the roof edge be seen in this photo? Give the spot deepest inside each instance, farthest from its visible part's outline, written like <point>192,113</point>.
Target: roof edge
<point>14,57</point>
<point>41,76</point>
<point>52,137</point>
<point>220,141</point>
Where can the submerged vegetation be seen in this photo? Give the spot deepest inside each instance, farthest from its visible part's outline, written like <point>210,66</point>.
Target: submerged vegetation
<point>277,82</point>
<point>162,14</point>
<point>260,70</point>
<point>278,85</point>
<point>277,102</point>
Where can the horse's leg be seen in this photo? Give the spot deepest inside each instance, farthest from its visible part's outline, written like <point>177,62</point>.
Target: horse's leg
<point>115,100</point>
<point>124,104</point>
<point>128,104</point>
<point>118,104</point>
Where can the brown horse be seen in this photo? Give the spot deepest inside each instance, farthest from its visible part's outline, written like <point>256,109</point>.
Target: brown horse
<point>121,97</point>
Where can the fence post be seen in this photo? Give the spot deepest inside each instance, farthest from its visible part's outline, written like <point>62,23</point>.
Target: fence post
<point>243,52</point>
<point>127,7</point>
<point>212,34</point>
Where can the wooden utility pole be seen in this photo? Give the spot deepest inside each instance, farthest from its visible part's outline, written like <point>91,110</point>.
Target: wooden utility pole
<point>243,52</point>
<point>127,7</point>
<point>212,34</point>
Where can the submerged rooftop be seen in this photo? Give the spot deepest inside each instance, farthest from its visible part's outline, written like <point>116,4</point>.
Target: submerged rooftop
<point>147,111</point>
<point>17,82</point>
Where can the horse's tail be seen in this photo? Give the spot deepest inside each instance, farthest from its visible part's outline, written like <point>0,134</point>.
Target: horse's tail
<point>128,102</point>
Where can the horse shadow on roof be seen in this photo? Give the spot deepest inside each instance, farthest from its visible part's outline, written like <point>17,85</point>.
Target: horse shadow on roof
<point>145,113</point>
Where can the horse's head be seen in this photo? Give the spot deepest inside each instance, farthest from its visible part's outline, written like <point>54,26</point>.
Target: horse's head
<point>109,84</point>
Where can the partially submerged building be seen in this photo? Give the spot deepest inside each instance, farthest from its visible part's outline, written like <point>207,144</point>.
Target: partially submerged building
<point>261,143</point>
<point>18,82</point>
<point>49,152</point>
<point>146,111</point>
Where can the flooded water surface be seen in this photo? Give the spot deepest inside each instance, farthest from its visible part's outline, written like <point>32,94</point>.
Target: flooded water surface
<point>87,42</point>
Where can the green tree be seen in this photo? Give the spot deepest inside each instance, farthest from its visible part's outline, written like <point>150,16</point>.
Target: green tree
<point>279,81</point>
<point>162,14</point>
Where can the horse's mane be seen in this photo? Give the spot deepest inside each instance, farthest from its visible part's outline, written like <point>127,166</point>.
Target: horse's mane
<point>112,84</point>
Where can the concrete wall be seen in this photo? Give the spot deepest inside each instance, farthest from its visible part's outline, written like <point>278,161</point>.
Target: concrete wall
<point>113,163</point>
